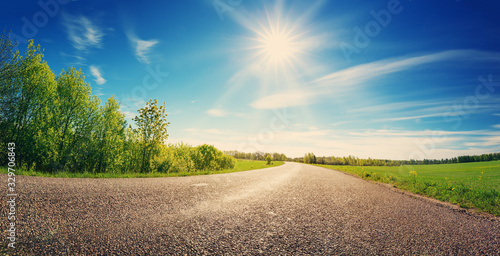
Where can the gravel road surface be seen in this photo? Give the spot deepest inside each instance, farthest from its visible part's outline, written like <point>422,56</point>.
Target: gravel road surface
<point>293,209</point>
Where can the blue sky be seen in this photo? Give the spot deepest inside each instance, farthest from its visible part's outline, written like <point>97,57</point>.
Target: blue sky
<point>382,79</point>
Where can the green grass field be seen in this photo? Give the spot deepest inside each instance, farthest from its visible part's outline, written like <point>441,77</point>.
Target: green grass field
<point>471,185</point>
<point>241,165</point>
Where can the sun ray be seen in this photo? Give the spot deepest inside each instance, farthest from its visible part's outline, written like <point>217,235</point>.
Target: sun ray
<point>278,52</point>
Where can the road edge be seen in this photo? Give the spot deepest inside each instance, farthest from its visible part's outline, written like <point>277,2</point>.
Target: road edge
<point>474,212</point>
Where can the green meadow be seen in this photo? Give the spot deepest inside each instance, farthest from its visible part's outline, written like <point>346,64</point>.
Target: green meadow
<point>241,165</point>
<point>471,185</point>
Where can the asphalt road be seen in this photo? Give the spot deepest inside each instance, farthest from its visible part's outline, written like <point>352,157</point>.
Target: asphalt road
<point>293,209</point>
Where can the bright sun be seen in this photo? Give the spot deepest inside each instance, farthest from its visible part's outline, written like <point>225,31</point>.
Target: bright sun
<point>280,44</point>
<point>277,47</point>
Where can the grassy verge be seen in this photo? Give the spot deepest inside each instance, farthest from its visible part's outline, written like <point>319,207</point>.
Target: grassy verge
<point>241,165</point>
<point>471,185</point>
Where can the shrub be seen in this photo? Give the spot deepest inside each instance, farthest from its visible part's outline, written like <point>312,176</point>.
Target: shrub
<point>185,158</point>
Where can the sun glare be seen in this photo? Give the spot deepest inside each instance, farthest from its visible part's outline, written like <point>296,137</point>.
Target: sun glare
<point>277,41</point>
<point>277,47</point>
<point>279,50</point>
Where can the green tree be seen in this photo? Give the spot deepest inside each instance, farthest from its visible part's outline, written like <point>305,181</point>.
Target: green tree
<point>283,157</point>
<point>276,157</point>
<point>78,116</point>
<point>309,158</point>
<point>152,128</point>
<point>132,154</point>
<point>29,100</point>
<point>205,157</point>
<point>9,93</point>
<point>268,159</point>
<point>110,137</point>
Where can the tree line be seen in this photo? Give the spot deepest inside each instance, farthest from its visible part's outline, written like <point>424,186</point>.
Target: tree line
<point>310,158</point>
<point>57,125</point>
<point>257,156</point>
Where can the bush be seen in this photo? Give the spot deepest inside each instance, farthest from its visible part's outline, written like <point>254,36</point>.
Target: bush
<point>185,158</point>
<point>268,159</point>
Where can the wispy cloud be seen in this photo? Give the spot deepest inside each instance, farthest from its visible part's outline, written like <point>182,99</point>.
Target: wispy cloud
<point>403,106</point>
<point>141,47</point>
<point>354,77</point>
<point>97,75</point>
<point>82,32</point>
<point>417,117</point>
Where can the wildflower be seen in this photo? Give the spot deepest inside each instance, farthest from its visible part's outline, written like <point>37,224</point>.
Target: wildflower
<point>452,188</point>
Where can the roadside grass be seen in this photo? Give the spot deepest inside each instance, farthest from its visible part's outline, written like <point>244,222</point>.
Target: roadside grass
<point>470,185</point>
<point>241,165</point>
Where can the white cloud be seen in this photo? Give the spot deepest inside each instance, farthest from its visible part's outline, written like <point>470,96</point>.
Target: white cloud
<point>352,78</point>
<point>485,142</point>
<point>141,47</point>
<point>286,99</point>
<point>82,32</point>
<point>219,112</point>
<point>216,112</point>
<point>97,75</point>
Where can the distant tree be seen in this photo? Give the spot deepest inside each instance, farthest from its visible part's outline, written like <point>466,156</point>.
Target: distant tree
<point>276,157</point>
<point>268,159</point>
<point>283,157</point>
<point>309,158</point>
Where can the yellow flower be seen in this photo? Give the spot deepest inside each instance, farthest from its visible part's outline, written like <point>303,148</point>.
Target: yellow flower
<point>453,189</point>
